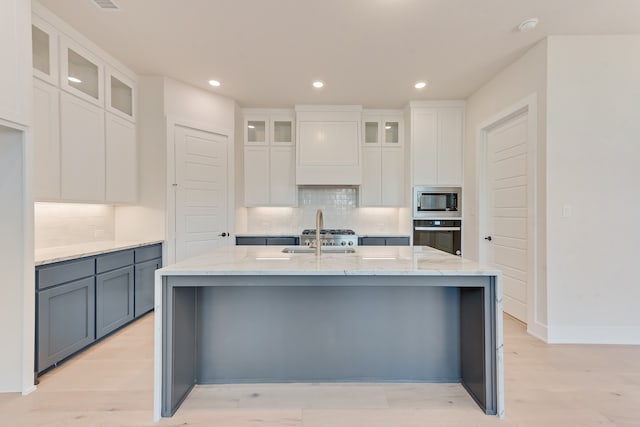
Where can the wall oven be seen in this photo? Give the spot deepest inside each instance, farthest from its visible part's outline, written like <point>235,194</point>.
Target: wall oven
<point>442,234</point>
<point>437,202</point>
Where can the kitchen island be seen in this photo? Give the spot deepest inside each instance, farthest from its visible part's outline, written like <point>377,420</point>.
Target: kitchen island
<point>381,314</point>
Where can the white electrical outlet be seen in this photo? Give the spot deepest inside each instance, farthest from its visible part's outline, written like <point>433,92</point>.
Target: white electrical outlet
<point>566,211</point>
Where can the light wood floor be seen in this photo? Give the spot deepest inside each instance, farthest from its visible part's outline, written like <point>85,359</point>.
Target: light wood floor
<point>546,385</point>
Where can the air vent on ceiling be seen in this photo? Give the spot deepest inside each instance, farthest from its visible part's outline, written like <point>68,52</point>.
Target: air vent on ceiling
<point>106,4</point>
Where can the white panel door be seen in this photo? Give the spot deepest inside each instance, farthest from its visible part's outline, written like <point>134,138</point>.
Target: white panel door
<point>424,147</point>
<point>507,211</point>
<point>121,164</point>
<point>201,198</point>
<point>371,177</point>
<point>46,140</point>
<point>282,176</point>
<point>82,150</point>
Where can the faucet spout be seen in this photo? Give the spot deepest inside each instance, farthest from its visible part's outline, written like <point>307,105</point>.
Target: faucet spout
<point>319,226</point>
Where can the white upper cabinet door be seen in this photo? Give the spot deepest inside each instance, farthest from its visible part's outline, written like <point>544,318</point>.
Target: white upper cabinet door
<point>256,176</point>
<point>282,176</point>
<point>256,130</point>
<point>371,188</point>
<point>15,66</point>
<point>371,131</point>
<point>81,73</point>
<point>424,147</point>
<point>450,146</point>
<point>121,160</point>
<point>392,132</point>
<point>44,41</point>
<point>46,141</point>
<point>392,174</point>
<point>282,129</point>
<point>82,150</point>
<point>120,94</point>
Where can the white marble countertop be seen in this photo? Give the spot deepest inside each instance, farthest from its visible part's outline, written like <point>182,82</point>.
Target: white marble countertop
<point>367,260</point>
<point>65,253</point>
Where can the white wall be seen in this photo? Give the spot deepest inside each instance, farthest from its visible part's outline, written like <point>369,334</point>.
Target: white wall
<point>524,77</point>
<point>593,166</point>
<point>17,315</point>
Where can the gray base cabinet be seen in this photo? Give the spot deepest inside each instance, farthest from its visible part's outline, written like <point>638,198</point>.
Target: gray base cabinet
<point>384,241</point>
<point>82,300</point>
<point>114,300</point>
<point>145,282</point>
<point>66,320</point>
<point>266,240</point>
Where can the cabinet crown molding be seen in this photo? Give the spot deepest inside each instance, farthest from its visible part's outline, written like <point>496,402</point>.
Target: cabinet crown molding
<point>328,108</point>
<point>446,103</point>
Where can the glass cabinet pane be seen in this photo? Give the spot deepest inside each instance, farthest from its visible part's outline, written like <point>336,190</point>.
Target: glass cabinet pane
<point>391,130</point>
<point>121,96</point>
<point>371,132</point>
<point>256,131</point>
<point>282,131</point>
<point>40,50</point>
<point>83,74</point>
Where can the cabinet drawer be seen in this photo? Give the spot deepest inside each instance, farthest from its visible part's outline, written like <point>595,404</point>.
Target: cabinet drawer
<point>372,241</point>
<point>147,253</point>
<point>58,273</point>
<point>287,241</point>
<point>397,241</point>
<point>250,241</point>
<point>115,260</point>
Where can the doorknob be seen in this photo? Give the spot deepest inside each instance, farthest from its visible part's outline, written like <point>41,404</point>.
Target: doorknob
<point>488,238</point>
<point>223,235</point>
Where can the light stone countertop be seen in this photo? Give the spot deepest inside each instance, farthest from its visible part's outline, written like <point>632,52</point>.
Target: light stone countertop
<point>367,260</point>
<point>65,253</point>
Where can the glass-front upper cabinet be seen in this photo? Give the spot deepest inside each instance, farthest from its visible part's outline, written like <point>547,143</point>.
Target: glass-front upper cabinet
<point>391,132</point>
<point>256,130</point>
<point>282,130</point>
<point>121,94</point>
<point>371,132</point>
<point>81,72</point>
<point>44,43</point>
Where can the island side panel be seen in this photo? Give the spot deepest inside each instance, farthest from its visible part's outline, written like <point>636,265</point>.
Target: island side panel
<point>179,356</point>
<point>338,330</point>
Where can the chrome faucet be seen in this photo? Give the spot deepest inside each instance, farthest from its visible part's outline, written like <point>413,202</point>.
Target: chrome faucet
<point>319,226</point>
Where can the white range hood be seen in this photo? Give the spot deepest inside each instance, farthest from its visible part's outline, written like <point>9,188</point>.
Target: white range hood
<point>328,145</point>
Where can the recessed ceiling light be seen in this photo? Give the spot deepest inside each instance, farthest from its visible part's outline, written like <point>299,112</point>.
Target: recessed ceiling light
<point>214,83</point>
<point>74,79</point>
<point>420,85</point>
<point>318,84</point>
<point>528,25</point>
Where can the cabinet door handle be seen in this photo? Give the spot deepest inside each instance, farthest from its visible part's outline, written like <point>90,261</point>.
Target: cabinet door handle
<point>222,234</point>
<point>488,238</point>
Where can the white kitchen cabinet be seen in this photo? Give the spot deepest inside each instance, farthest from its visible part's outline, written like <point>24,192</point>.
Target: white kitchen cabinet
<point>44,41</point>
<point>15,66</point>
<point>436,142</point>
<point>121,160</point>
<point>328,145</point>
<point>282,181</point>
<point>120,94</point>
<point>82,146</point>
<point>269,158</point>
<point>256,176</point>
<point>81,72</point>
<point>46,140</point>
<point>382,160</point>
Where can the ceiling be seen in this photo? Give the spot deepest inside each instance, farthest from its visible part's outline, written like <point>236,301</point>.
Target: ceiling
<point>266,53</point>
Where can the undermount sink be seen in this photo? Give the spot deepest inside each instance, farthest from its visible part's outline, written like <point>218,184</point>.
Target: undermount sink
<point>325,249</point>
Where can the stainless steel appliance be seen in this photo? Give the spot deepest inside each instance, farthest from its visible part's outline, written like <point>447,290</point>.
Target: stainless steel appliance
<point>437,202</point>
<point>442,234</point>
<point>329,237</point>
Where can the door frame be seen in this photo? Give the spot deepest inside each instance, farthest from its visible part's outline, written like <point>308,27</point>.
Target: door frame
<point>170,224</point>
<point>528,105</point>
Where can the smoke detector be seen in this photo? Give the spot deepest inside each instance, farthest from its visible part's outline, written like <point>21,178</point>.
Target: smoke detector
<point>528,25</point>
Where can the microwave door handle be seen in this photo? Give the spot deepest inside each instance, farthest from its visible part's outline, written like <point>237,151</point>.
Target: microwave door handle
<point>436,228</point>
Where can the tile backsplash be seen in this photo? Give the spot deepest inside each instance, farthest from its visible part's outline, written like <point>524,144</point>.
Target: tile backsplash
<point>339,207</point>
<point>61,224</point>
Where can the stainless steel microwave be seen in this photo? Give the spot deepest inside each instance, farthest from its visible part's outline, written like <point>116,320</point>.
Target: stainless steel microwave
<point>437,202</point>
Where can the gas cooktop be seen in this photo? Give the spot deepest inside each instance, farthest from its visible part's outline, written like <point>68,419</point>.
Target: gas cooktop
<point>330,237</point>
